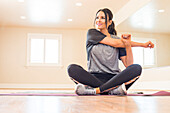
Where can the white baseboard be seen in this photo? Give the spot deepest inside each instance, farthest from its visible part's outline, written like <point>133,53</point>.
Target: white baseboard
<point>45,86</point>
<point>155,85</point>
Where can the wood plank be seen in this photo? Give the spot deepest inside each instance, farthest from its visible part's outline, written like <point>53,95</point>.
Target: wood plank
<point>84,104</point>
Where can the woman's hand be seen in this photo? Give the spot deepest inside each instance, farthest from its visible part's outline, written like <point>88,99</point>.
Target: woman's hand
<point>126,39</point>
<point>148,44</point>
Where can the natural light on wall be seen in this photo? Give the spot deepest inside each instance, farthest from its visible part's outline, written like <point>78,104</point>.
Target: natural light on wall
<point>45,10</point>
<point>144,18</point>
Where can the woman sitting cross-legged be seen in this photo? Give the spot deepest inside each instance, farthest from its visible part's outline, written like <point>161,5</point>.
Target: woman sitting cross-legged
<point>104,49</point>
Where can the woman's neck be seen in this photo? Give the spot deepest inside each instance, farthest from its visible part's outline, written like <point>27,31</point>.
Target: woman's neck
<point>105,31</point>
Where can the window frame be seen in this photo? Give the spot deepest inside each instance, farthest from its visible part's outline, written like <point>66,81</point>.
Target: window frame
<point>44,36</point>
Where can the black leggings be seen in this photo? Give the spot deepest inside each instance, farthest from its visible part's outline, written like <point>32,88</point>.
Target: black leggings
<point>105,82</point>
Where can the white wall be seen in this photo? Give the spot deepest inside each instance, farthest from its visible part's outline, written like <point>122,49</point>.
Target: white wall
<point>154,78</point>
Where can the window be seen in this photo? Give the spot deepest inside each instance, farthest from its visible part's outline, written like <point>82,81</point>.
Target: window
<point>144,56</point>
<point>44,50</point>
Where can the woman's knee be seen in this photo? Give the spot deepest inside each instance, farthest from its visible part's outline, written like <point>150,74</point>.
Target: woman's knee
<point>137,68</point>
<point>72,68</point>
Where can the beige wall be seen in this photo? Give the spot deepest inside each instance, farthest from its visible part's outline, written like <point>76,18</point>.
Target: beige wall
<point>13,48</point>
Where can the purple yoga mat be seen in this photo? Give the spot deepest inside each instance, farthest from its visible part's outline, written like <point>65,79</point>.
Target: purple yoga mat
<point>35,94</point>
<point>160,93</point>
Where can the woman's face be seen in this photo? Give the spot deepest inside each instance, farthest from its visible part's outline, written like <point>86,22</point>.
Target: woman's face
<point>100,21</point>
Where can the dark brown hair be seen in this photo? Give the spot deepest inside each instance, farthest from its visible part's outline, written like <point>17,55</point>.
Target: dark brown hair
<point>111,28</point>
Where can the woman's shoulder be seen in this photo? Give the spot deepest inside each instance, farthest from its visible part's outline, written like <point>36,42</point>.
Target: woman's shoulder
<point>92,30</point>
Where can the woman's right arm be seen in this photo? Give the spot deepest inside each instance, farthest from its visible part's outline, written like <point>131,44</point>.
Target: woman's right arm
<point>112,42</point>
<point>118,43</point>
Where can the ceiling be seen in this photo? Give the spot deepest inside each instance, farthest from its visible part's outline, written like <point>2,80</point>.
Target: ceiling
<point>149,19</point>
<point>55,14</point>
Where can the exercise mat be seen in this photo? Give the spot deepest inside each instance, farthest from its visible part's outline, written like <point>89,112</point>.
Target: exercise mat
<point>159,93</point>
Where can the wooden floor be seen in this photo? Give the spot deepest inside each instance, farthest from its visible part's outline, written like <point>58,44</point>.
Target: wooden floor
<point>85,104</point>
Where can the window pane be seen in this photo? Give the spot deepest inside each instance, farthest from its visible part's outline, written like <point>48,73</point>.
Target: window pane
<point>148,56</point>
<point>52,51</point>
<point>138,55</point>
<point>37,50</point>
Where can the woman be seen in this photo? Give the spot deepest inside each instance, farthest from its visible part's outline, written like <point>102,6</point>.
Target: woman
<point>104,49</point>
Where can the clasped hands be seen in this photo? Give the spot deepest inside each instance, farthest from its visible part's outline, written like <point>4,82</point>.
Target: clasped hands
<point>126,39</point>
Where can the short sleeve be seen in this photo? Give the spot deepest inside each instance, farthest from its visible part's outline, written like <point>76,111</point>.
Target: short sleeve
<point>122,52</point>
<point>94,36</point>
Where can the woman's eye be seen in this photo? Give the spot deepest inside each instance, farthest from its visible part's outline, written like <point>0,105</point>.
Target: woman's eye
<point>100,17</point>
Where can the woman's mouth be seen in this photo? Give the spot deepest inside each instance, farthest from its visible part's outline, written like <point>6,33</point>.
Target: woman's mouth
<point>99,24</point>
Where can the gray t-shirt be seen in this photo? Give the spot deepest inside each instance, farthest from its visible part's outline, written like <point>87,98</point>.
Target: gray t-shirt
<point>102,58</point>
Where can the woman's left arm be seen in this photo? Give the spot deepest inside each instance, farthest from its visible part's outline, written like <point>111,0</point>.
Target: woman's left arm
<point>128,59</point>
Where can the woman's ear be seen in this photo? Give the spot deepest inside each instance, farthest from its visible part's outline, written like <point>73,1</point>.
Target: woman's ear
<point>110,22</point>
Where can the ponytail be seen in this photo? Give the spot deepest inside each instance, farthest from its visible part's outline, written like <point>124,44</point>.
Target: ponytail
<point>111,29</point>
